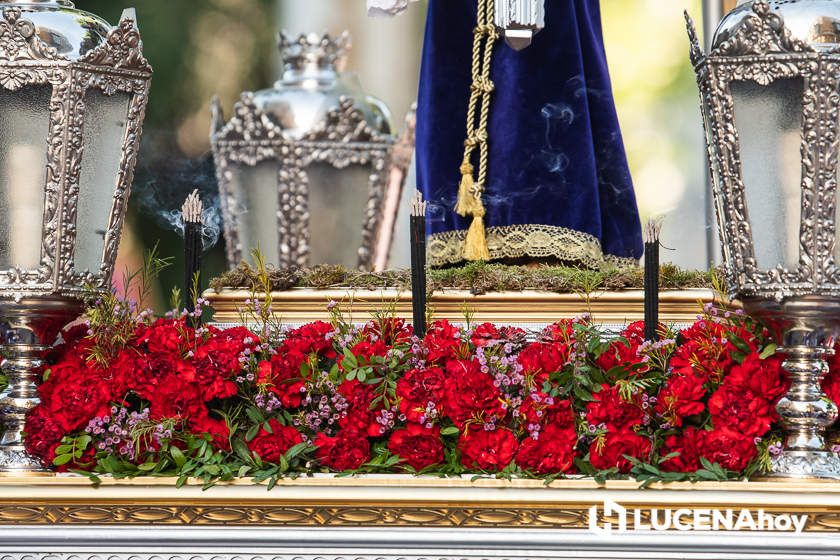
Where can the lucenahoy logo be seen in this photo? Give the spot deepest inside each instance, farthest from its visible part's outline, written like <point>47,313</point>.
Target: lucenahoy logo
<point>622,519</point>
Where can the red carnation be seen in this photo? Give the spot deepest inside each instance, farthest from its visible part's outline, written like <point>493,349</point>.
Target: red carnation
<point>202,423</point>
<point>561,332</point>
<point>42,435</point>
<point>542,409</point>
<point>390,330</point>
<point>635,332</point>
<point>367,350</point>
<point>270,446</point>
<point>175,398</point>
<point>217,361</point>
<point>686,446</point>
<point>488,450</point>
<point>613,411</point>
<point>541,359</point>
<point>129,369</point>
<point>681,397</point>
<point>163,336</point>
<point>441,342</point>
<point>705,350</point>
<point>485,334</point>
<point>346,451</point>
<point>359,418</point>
<point>730,449</point>
<point>609,452</point>
<point>418,446</point>
<point>310,338</point>
<point>553,451</point>
<point>620,353</point>
<point>470,394</point>
<point>71,397</point>
<point>417,389</point>
<point>284,377</point>
<point>746,400</point>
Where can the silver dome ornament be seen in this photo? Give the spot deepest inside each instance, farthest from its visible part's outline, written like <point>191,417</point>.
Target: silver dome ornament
<point>73,92</point>
<point>815,23</point>
<point>770,99</point>
<point>520,21</point>
<point>312,151</point>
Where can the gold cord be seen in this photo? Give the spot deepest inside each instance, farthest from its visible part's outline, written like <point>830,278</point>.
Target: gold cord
<point>470,191</point>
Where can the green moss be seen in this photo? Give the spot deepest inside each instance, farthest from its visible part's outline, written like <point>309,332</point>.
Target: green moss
<point>475,277</point>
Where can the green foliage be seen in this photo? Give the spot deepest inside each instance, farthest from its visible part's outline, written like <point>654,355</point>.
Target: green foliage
<point>71,449</point>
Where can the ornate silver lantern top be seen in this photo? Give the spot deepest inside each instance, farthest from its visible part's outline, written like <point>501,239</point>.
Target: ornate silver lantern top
<point>814,22</point>
<point>313,83</point>
<point>71,33</point>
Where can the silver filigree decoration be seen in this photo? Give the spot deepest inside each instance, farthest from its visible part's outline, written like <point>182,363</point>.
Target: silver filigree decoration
<point>20,43</point>
<point>123,49</point>
<point>760,33</point>
<point>311,48</point>
<point>695,50</point>
<point>812,465</point>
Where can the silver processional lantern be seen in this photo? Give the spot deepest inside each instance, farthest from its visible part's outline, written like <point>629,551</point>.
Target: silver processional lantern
<point>311,154</point>
<point>770,92</point>
<point>73,91</point>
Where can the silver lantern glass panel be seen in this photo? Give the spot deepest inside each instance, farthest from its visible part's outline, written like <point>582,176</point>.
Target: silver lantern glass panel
<point>24,124</point>
<point>770,98</point>
<point>308,155</point>
<point>73,92</point>
<point>769,123</point>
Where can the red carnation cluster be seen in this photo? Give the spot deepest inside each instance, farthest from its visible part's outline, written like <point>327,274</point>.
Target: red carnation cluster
<point>178,373</point>
<point>711,378</point>
<point>375,398</point>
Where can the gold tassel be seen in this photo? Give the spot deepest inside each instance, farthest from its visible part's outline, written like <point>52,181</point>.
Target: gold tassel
<point>475,245</point>
<point>466,204</point>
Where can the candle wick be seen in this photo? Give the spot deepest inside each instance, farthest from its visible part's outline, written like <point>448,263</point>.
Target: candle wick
<point>418,205</point>
<point>653,229</point>
<point>193,208</point>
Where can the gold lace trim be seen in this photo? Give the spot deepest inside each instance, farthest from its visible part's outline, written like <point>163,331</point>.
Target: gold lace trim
<point>530,240</point>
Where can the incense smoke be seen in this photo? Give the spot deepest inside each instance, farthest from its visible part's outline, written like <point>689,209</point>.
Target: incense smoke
<point>159,194</point>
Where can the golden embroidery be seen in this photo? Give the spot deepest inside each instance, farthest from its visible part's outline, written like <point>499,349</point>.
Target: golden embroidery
<point>530,240</point>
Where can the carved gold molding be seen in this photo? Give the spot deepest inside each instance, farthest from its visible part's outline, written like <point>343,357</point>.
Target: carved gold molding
<point>399,501</point>
<point>301,305</point>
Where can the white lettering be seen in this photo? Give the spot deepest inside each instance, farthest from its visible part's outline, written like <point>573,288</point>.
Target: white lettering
<point>765,521</point>
<point>722,519</point>
<point>783,523</point>
<point>593,520</point>
<point>701,519</point>
<point>666,519</point>
<point>678,515</point>
<point>745,521</point>
<point>616,517</point>
<point>799,522</point>
<point>638,522</point>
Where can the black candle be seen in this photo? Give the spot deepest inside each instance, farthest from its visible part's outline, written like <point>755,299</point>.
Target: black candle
<point>193,225</point>
<point>652,279</point>
<point>418,264</point>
